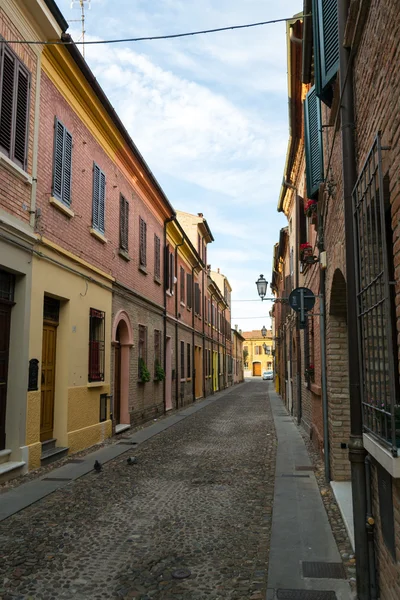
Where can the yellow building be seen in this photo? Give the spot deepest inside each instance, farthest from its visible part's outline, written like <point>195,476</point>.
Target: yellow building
<point>257,352</point>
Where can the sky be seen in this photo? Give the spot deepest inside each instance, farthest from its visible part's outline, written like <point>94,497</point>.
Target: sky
<point>209,114</point>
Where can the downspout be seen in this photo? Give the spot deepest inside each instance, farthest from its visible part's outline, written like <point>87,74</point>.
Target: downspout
<point>169,220</point>
<point>322,326</point>
<point>357,452</point>
<point>298,338</point>
<point>204,333</point>
<point>212,345</point>
<point>176,323</point>
<point>370,531</point>
<point>196,266</point>
<point>32,211</point>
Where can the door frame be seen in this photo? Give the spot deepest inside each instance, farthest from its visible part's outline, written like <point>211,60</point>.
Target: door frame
<point>3,405</point>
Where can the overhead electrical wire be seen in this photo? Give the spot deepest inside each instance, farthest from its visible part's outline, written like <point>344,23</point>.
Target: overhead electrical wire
<point>152,37</point>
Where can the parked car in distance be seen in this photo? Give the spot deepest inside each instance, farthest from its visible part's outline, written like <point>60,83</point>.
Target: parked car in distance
<point>268,375</point>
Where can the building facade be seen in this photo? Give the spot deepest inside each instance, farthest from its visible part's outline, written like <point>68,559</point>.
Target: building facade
<point>257,352</point>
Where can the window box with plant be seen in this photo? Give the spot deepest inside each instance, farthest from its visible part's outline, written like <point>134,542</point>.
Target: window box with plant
<point>310,210</point>
<point>309,374</point>
<point>144,373</point>
<point>305,251</point>
<point>159,374</point>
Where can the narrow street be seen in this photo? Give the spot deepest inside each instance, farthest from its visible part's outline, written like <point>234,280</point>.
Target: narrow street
<point>198,499</point>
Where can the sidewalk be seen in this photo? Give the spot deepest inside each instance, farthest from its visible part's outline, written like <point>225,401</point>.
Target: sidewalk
<point>22,496</point>
<point>304,563</point>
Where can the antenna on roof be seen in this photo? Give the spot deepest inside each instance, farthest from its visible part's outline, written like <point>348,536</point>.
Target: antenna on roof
<point>81,4</point>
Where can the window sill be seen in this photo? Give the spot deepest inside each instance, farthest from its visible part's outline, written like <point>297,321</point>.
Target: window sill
<point>99,236</point>
<point>123,254</point>
<point>189,379</point>
<point>182,380</point>
<point>183,304</point>
<point>8,164</point>
<point>95,384</point>
<point>157,280</point>
<point>168,293</point>
<point>382,455</point>
<point>61,207</point>
<point>143,269</point>
<point>189,309</point>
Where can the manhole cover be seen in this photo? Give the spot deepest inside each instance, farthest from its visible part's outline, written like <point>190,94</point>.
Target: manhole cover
<point>305,595</point>
<point>323,570</point>
<point>57,479</point>
<point>181,574</point>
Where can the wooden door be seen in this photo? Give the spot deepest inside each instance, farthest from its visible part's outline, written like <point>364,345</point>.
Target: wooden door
<point>257,369</point>
<point>5,319</point>
<point>117,384</point>
<point>48,381</point>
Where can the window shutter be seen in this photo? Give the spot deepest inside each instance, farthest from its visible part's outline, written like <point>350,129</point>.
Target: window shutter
<point>166,266</point>
<point>96,196</point>
<point>67,168</point>
<point>142,241</point>
<point>313,143</point>
<point>157,265</point>
<point>7,100</point>
<point>124,223</point>
<point>58,159</point>
<point>102,194</point>
<point>21,116</point>
<point>326,46</point>
<point>171,272</point>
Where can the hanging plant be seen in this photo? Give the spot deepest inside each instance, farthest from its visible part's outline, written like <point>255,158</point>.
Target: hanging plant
<point>310,208</point>
<point>144,373</point>
<point>305,250</point>
<point>159,372</point>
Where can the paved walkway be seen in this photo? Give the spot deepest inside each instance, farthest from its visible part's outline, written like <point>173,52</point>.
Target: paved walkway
<point>198,502</point>
<point>300,528</point>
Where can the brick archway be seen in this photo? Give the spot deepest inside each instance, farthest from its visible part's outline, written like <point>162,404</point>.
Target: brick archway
<point>338,379</point>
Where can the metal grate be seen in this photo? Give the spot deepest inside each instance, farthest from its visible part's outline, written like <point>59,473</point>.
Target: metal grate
<point>374,276</point>
<point>51,309</point>
<point>305,595</point>
<point>7,285</point>
<point>323,570</point>
<point>96,344</point>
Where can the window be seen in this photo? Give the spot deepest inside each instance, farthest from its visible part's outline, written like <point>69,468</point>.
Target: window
<point>169,270</point>
<point>209,312</point>
<point>96,344</point>
<point>326,46</point>
<point>257,350</point>
<point>142,348</point>
<point>313,143</point>
<point>99,190</point>
<point>157,349</point>
<point>189,366</point>
<point>62,168</point>
<point>123,223</point>
<point>189,290</point>
<point>182,360</point>
<point>197,303</point>
<point>209,362</point>
<point>142,242</point>
<point>157,257</point>
<point>14,106</point>
<point>182,284</point>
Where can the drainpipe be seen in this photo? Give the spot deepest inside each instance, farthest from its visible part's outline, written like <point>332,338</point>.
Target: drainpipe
<point>323,369</point>
<point>370,531</point>
<point>204,333</point>
<point>212,345</point>
<point>32,211</point>
<point>169,220</point>
<point>196,266</point>
<point>357,452</point>
<point>176,323</point>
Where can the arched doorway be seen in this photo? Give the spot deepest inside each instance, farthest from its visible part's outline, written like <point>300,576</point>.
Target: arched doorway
<point>256,369</point>
<point>122,340</point>
<point>338,379</point>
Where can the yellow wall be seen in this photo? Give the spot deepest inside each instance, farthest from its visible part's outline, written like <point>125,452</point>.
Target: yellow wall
<point>263,358</point>
<point>76,402</point>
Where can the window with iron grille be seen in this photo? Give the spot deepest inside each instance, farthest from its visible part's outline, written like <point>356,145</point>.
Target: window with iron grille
<point>123,223</point>
<point>157,257</point>
<point>51,309</point>
<point>96,345</point>
<point>157,349</point>
<point>182,284</point>
<point>142,348</point>
<point>62,167</point>
<point>189,364</point>
<point>15,82</point>
<point>182,360</point>
<point>142,242</point>
<point>7,285</point>
<point>375,301</point>
<point>99,192</point>
<point>189,290</point>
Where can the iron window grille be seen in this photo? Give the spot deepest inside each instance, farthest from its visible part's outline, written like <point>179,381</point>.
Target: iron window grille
<point>62,167</point>
<point>96,345</point>
<point>375,302</point>
<point>15,82</point>
<point>103,408</point>
<point>157,257</point>
<point>123,223</point>
<point>7,286</point>
<point>51,309</point>
<point>142,242</point>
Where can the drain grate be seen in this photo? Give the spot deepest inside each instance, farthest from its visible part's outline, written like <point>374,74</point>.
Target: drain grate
<point>305,595</point>
<point>293,475</point>
<point>323,570</point>
<point>76,461</point>
<point>304,468</point>
<point>57,479</point>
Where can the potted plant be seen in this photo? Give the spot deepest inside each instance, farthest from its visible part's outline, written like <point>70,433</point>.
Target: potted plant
<point>310,209</point>
<point>144,373</point>
<point>310,372</point>
<point>159,372</point>
<point>305,251</point>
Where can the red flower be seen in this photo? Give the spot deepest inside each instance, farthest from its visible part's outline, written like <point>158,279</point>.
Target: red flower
<point>304,246</point>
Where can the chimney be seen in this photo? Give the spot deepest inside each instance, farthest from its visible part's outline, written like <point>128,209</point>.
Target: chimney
<point>200,215</point>
<point>218,270</point>
<point>236,327</point>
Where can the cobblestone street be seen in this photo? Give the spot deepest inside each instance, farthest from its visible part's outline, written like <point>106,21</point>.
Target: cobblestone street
<point>198,499</point>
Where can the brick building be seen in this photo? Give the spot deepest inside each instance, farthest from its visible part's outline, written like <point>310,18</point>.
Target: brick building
<point>237,355</point>
<point>343,82</point>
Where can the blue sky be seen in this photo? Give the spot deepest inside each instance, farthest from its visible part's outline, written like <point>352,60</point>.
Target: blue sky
<point>209,114</point>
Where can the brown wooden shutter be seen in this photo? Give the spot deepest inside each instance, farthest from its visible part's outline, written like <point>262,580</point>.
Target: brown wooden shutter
<point>182,282</point>
<point>21,116</point>
<point>171,272</point>
<point>142,241</point>
<point>166,266</point>
<point>124,223</point>
<point>7,97</point>
<point>157,257</point>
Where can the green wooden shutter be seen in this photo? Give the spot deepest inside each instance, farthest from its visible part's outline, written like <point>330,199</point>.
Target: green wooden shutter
<point>58,159</point>
<point>7,79</point>
<point>21,117</point>
<point>67,176</point>
<point>102,199</point>
<point>326,46</point>
<point>96,195</point>
<point>313,143</point>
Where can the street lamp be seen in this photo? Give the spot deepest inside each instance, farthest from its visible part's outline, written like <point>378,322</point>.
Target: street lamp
<point>264,331</point>
<point>262,284</point>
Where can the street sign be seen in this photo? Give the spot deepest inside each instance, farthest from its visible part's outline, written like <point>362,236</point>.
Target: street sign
<point>302,300</point>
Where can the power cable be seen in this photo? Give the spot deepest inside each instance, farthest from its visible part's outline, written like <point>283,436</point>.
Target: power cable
<point>153,37</point>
